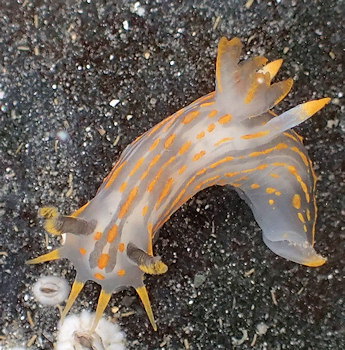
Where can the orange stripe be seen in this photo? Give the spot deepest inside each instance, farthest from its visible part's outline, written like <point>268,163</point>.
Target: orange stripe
<point>152,184</point>
<point>212,113</point>
<point>112,233</point>
<point>301,217</point>
<point>159,125</point>
<point>185,147</point>
<point>211,127</point>
<point>166,190</point>
<point>169,141</point>
<point>225,139</point>
<point>152,163</point>
<point>103,261</point>
<point>269,150</point>
<point>199,155</point>
<point>137,166</point>
<point>254,186</point>
<point>150,234</point>
<point>123,186</point>
<point>190,117</point>
<point>182,169</point>
<point>296,201</point>
<point>125,207</point>
<point>115,174</point>
<point>207,104</point>
<point>302,155</point>
<point>145,209</point>
<point>201,184</point>
<point>225,119</point>
<point>80,210</point>
<point>256,135</point>
<point>224,160</point>
<point>200,135</point>
<point>154,144</point>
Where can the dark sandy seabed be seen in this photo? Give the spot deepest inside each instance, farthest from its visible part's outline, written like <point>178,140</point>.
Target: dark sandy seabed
<point>63,62</point>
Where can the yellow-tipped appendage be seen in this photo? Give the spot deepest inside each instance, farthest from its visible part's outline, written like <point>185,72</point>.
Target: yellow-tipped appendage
<point>76,289</point>
<point>312,107</point>
<point>272,68</point>
<point>53,255</point>
<point>103,301</point>
<point>142,292</point>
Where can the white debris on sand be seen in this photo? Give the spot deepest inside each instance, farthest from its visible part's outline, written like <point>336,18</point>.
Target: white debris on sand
<point>74,334</point>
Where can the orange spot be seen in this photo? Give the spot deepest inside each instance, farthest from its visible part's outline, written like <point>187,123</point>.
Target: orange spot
<point>182,169</point>
<point>225,119</point>
<point>121,272</point>
<point>166,190</point>
<point>145,209</point>
<point>276,176</point>
<point>137,166</point>
<point>121,247</point>
<point>99,276</point>
<point>269,150</point>
<point>185,147</point>
<point>301,217</point>
<point>305,228</point>
<point>225,139</point>
<point>82,251</point>
<point>271,201</point>
<point>211,127</point>
<point>277,193</point>
<point>154,144</point>
<point>103,261</point>
<point>152,163</point>
<point>112,233</point>
<point>256,135</point>
<point>200,135</point>
<point>234,184</point>
<point>308,215</point>
<point>97,236</point>
<point>254,186</point>
<point>199,155</point>
<point>224,160</point>
<point>270,190</point>
<point>114,174</point>
<point>123,186</point>
<point>169,141</point>
<point>125,207</point>
<point>212,113</point>
<point>190,117</point>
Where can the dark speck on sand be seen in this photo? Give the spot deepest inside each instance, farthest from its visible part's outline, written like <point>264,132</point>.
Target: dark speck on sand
<point>79,80</point>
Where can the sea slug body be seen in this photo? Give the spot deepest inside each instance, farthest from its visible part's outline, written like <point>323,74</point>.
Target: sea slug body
<point>228,137</point>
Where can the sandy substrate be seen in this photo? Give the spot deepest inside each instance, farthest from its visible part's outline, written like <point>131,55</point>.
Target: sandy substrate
<point>64,65</point>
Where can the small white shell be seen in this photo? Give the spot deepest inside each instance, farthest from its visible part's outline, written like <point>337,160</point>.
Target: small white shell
<point>50,290</point>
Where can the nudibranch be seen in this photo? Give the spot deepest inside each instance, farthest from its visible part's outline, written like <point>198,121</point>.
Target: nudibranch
<point>228,137</point>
